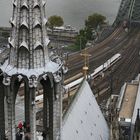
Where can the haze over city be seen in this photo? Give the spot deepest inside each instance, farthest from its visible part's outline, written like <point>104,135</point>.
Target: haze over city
<point>74,12</point>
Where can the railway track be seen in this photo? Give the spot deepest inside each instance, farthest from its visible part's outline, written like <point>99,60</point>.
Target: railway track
<point>124,71</point>
<point>122,42</point>
<point>98,53</point>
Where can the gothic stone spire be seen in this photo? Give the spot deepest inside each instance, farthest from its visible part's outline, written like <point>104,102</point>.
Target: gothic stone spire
<point>31,63</point>
<point>29,41</point>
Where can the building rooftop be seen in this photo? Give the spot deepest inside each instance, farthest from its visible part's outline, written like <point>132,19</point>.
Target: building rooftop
<point>128,101</point>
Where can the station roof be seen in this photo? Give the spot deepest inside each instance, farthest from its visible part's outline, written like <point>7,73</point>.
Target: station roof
<point>128,101</point>
<point>84,120</point>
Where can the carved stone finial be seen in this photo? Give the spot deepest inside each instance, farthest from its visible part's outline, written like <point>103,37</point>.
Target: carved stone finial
<point>7,81</point>
<point>33,82</point>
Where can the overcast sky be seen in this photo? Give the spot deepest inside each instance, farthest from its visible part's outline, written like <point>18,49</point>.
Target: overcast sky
<point>74,12</point>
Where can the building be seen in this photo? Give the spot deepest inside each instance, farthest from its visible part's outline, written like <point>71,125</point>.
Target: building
<point>127,108</point>
<point>62,36</point>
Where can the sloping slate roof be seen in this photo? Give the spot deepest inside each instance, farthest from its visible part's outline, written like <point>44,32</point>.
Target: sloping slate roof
<point>84,120</point>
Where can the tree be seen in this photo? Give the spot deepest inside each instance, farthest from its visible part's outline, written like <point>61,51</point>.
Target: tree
<point>88,33</point>
<point>81,39</point>
<point>94,20</point>
<point>55,21</point>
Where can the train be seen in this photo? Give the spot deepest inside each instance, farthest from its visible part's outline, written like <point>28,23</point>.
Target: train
<point>97,72</point>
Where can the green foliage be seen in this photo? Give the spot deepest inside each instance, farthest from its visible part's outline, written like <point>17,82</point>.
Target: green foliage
<point>94,20</point>
<point>81,39</point>
<point>73,47</point>
<point>86,34</point>
<point>55,21</point>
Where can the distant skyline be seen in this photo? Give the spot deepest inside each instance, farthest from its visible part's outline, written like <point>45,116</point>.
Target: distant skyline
<point>74,12</point>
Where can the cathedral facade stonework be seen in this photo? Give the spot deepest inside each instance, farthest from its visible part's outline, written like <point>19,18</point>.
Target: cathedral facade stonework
<point>30,64</point>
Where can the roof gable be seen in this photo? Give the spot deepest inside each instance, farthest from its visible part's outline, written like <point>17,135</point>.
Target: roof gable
<point>84,120</point>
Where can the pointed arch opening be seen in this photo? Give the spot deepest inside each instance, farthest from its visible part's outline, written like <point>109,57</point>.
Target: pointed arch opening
<point>24,46</point>
<point>51,105</point>
<point>36,5</point>
<point>37,24</point>
<point>47,118</point>
<point>38,45</point>
<point>24,25</point>
<point>24,6</point>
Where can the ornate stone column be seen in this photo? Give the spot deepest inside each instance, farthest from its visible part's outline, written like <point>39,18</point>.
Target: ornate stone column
<point>2,116</point>
<point>27,102</point>
<point>58,110</point>
<point>11,87</point>
<point>10,108</point>
<point>45,107</point>
<point>32,106</point>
